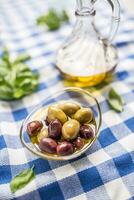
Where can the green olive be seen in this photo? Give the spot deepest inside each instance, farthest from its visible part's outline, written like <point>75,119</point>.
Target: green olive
<point>83,115</point>
<point>56,113</point>
<point>42,134</point>
<point>69,107</point>
<point>70,129</point>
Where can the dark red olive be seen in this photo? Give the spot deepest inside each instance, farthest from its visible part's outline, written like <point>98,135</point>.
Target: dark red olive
<point>65,148</point>
<point>54,129</point>
<point>86,132</point>
<point>78,143</point>
<point>34,127</point>
<point>48,145</point>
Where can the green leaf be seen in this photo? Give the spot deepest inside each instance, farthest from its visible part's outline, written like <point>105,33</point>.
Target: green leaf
<point>21,67</point>
<point>5,92</point>
<point>3,69</point>
<point>18,92</point>
<point>5,56</point>
<point>52,19</point>
<point>22,179</point>
<point>10,78</point>
<point>115,100</point>
<point>64,16</point>
<point>17,80</point>
<point>22,58</point>
<point>25,74</point>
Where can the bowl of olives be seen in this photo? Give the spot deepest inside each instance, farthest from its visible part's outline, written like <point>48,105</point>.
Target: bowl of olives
<point>64,126</point>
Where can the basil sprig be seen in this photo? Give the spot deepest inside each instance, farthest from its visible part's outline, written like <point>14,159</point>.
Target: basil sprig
<point>115,100</point>
<point>22,179</point>
<point>16,78</point>
<point>52,19</point>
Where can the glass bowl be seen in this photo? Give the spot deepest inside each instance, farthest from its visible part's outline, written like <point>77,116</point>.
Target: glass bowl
<point>79,95</point>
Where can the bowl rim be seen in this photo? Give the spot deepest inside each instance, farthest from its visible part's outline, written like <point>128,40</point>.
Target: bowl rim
<point>76,154</point>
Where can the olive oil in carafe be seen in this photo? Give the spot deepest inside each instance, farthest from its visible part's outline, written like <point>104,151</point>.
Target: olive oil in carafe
<point>86,68</point>
<point>85,81</point>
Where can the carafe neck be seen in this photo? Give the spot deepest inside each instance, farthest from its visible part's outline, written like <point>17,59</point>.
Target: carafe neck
<point>85,7</point>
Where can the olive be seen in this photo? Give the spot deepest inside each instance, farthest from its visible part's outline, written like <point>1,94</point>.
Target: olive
<point>34,127</point>
<point>69,107</point>
<point>42,134</point>
<point>54,129</point>
<point>78,143</point>
<point>86,132</point>
<point>65,148</point>
<point>70,129</point>
<point>48,145</point>
<point>56,113</point>
<point>83,115</point>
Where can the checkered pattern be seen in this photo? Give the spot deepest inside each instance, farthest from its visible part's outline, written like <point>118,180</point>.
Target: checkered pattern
<point>106,170</point>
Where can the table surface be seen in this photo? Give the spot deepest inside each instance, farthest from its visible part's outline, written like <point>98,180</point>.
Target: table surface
<point>129,5</point>
<point>106,170</point>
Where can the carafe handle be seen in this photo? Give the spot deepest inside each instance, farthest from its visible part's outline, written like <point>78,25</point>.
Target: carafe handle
<point>115,19</point>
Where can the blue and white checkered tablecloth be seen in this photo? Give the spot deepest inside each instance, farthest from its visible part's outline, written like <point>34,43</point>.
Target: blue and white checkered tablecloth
<point>106,170</point>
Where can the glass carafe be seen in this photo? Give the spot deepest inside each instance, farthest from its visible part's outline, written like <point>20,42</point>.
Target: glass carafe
<point>86,58</point>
